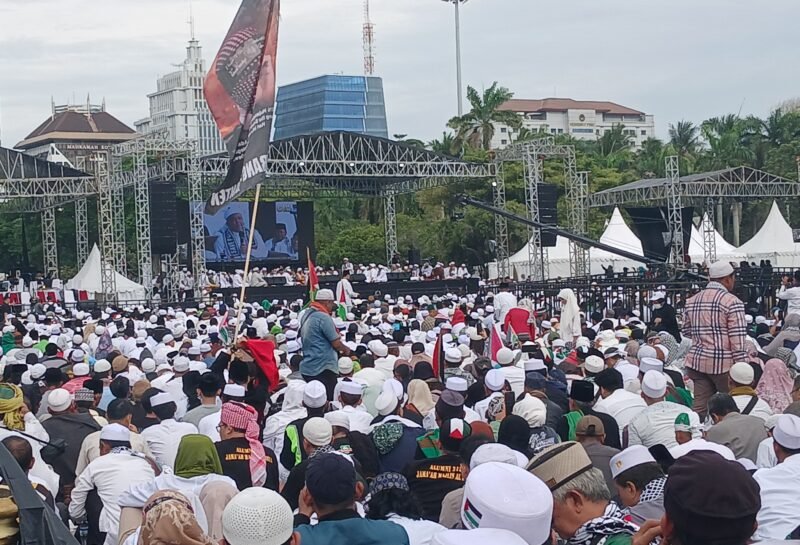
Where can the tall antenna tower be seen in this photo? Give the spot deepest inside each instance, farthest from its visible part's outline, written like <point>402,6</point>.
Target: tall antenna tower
<point>368,36</point>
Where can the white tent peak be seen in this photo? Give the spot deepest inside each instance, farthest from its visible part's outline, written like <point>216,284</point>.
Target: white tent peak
<point>619,235</point>
<point>89,279</point>
<point>774,236</point>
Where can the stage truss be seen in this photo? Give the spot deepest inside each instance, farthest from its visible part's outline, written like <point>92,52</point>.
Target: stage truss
<point>703,190</point>
<point>532,155</point>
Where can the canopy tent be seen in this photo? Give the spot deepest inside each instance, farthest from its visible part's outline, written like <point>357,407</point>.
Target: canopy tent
<point>89,279</point>
<point>774,241</point>
<point>725,250</point>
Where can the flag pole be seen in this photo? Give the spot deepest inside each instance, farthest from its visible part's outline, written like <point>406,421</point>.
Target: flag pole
<point>247,261</point>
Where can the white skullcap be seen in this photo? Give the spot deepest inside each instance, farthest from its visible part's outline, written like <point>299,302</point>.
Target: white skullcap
<point>351,387</point>
<point>505,356</point>
<point>148,365</point>
<point>59,400</point>
<point>630,457</point>
<point>452,355</point>
<point>338,418</point>
<point>492,452</point>
<point>99,330</point>
<point>80,369</point>
<point>532,409</point>
<point>786,431</point>
<point>181,364</point>
<point>345,365</point>
<point>720,269</point>
<point>37,371</point>
<point>324,295</point>
<point>650,364</point>
<point>386,403</point>
<point>478,536</point>
<point>318,431</point>
<point>234,390</point>
<point>257,516</point>
<point>193,351</point>
<point>504,496</point>
<point>456,384</point>
<point>646,351</point>
<point>494,380</point>
<point>394,386</point>
<point>115,432</point>
<point>76,355</point>
<point>534,365</point>
<point>742,373</point>
<point>27,342</point>
<point>161,399</point>
<point>378,348</point>
<point>594,364</point>
<point>314,395</point>
<point>77,339</point>
<point>167,338</point>
<point>654,384</point>
<point>163,367</point>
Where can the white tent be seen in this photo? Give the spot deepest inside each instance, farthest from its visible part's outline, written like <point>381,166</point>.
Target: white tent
<point>89,279</point>
<point>774,241</point>
<point>725,250</point>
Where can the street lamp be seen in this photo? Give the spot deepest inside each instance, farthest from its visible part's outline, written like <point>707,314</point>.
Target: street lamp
<point>458,54</point>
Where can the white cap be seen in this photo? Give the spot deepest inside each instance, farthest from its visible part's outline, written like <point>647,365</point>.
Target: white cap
<point>80,369</point>
<point>504,496</point>
<point>594,364</point>
<point>324,295</point>
<point>720,269</point>
<point>532,409</point>
<point>318,431</point>
<point>345,365</point>
<point>478,536</point>
<point>453,355</point>
<point>315,395</point>
<point>534,365</point>
<point>494,380</point>
<point>59,400</point>
<point>456,384</point>
<point>99,330</point>
<point>167,338</point>
<point>77,339</point>
<point>193,351</point>
<point>115,432</point>
<point>257,516</point>
<point>378,348</point>
<point>393,386</point>
<point>100,366</point>
<point>650,364</point>
<point>161,399</point>
<point>234,390</point>
<point>654,384</point>
<point>338,418</point>
<point>148,365</point>
<point>658,295</point>
<point>386,403</point>
<point>351,387</point>
<point>37,371</point>
<point>646,351</point>
<point>786,431</point>
<point>76,356</point>
<point>492,452</point>
<point>630,457</point>
<point>505,356</point>
<point>181,364</point>
<point>742,373</point>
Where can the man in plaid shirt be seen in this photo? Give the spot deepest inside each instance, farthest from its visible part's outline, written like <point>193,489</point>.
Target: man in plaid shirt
<point>714,320</point>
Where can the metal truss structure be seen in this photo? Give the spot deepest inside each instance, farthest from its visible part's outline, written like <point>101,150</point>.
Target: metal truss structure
<point>532,155</point>
<point>703,190</point>
<point>390,220</point>
<point>81,231</point>
<point>675,211</point>
<point>500,222</point>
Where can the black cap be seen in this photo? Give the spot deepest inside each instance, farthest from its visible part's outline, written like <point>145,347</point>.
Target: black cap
<point>417,348</point>
<point>535,381</point>
<point>450,405</point>
<point>331,479</point>
<point>582,390</point>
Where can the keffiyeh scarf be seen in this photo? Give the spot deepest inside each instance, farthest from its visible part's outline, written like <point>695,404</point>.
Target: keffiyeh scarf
<point>610,523</point>
<point>654,490</point>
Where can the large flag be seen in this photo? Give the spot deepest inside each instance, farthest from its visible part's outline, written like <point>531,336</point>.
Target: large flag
<point>240,91</point>
<point>312,281</point>
<point>437,361</point>
<point>495,342</point>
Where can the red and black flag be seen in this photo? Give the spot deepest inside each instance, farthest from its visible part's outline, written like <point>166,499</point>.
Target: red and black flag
<point>240,91</point>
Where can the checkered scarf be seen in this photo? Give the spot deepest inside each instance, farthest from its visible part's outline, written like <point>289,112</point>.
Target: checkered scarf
<point>244,417</point>
<point>610,523</point>
<point>653,490</point>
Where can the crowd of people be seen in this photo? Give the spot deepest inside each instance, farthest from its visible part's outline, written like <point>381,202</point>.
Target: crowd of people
<point>432,420</point>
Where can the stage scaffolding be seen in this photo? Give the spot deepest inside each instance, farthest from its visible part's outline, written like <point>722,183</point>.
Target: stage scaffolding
<point>532,155</point>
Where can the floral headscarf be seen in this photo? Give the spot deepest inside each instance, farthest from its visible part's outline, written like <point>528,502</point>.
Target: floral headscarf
<point>169,520</point>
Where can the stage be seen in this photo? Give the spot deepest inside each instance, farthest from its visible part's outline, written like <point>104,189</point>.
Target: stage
<point>417,289</point>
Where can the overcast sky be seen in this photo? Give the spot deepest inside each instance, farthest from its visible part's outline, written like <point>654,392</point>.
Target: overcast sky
<point>682,59</point>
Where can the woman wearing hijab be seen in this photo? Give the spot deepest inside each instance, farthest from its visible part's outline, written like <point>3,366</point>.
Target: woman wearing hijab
<point>215,497</point>
<point>570,317</point>
<point>196,465</point>
<point>169,519</point>
<point>775,386</point>
<point>419,408</point>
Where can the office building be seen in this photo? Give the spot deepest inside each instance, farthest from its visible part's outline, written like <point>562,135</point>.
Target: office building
<point>581,119</point>
<point>331,103</point>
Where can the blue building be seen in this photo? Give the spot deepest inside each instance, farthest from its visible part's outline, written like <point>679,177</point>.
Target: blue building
<point>331,103</point>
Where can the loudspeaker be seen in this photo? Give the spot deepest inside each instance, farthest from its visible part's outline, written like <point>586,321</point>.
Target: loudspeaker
<point>548,211</point>
<point>398,276</point>
<point>163,217</point>
<point>414,256</point>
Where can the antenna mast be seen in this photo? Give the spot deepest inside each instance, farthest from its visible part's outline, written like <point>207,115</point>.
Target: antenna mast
<point>368,40</point>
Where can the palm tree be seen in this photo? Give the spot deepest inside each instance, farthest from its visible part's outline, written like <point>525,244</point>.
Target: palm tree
<point>446,144</point>
<point>650,158</point>
<point>476,127</point>
<point>684,137</point>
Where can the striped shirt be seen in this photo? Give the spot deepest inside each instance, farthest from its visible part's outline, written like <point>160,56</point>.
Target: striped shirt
<point>714,320</point>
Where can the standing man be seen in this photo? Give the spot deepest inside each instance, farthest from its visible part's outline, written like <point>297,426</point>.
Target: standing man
<point>344,290</point>
<point>714,320</point>
<point>321,342</point>
<point>503,302</point>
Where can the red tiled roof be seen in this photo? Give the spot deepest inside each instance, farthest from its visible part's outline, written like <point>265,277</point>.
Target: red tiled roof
<point>75,122</point>
<point>564,104</point>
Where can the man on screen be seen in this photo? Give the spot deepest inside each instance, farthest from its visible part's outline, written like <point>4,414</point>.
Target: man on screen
<point>231,243</point>
<point>280,243</point>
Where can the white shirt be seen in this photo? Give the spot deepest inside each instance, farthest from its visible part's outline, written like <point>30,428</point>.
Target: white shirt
<point>503,302</point>
<point>420,532</point>
<point>792,297</point>
<point>112,475</point>
<point>655,425</point>
<point>761,410</point>
<point>515,377</point>
<point>164,439</point>
<point>780,502</point>
<point>702,444</point>
<point>344,289</point>
<point>208,426</point>
<point>90,449</point>
<point>766,454</point>
<point>622,405</point>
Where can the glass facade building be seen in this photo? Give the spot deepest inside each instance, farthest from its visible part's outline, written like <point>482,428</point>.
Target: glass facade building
<point>331,103</point>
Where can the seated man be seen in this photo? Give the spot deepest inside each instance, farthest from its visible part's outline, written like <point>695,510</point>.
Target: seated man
<point>639,481</point>
<point>331,492</point>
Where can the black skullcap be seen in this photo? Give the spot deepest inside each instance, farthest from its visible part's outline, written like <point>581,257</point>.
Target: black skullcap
<point>331,479</point>
<point>535,381</point>
<point>582,390</point>
<point>450,405</point>
<point>452,434</point>
<point>711,498</point>
<point>417,348</point>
